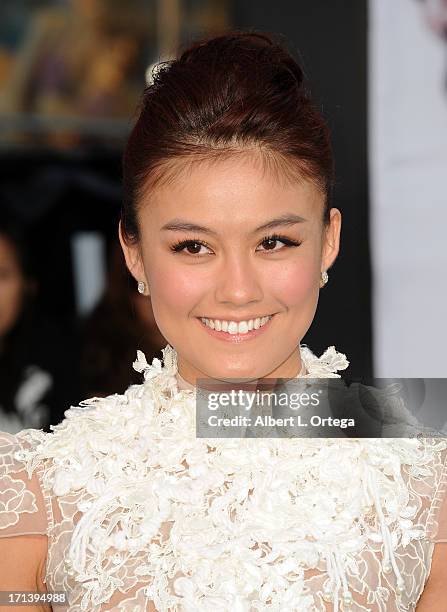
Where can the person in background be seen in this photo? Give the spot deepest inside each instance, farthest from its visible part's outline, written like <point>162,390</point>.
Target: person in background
<point>121,324</point>
<point>38,359</point>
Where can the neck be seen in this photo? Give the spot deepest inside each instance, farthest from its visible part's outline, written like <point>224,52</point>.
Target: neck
<point>187,380</point>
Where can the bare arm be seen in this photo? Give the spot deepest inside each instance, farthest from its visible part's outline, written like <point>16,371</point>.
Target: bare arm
<point>22,567</point>
<point>434,596</point>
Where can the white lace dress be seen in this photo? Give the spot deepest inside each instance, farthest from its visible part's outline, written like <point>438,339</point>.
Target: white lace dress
<point>142,515</point>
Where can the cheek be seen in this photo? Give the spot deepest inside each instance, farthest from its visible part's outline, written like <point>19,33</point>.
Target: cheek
<point>296,284</point>
<point>176,288</point>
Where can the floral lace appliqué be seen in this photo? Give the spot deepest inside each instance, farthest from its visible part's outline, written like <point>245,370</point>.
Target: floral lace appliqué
<point>150,515</point>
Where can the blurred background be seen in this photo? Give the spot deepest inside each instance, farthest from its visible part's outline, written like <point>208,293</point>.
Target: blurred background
<point>71,75</point>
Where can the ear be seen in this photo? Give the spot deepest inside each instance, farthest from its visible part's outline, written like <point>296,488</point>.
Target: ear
<point>132,255</point>
<point>331,239</point>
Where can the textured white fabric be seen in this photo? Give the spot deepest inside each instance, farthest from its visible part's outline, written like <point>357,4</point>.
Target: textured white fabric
<point>142,515</point>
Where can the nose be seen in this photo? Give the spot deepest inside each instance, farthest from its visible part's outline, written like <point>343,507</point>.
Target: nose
<point>238,281</point>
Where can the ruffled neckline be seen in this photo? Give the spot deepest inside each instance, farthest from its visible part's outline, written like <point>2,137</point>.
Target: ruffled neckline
<point>325,366</point>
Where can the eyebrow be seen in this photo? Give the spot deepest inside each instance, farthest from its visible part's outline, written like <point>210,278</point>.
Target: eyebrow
<point>181,225</point>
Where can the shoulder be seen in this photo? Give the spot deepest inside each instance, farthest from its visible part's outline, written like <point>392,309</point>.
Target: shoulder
<point>24,502</point>
<point>97,437</point>
<point>25,517</point>
<point>112,426</point>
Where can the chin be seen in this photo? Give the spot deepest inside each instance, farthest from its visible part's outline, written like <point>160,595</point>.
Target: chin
<point>235,372</point>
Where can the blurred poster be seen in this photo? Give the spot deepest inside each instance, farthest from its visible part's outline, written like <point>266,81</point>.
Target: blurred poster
<point>408,170</point>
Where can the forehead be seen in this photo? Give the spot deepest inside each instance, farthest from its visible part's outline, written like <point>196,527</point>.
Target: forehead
<point>231,190</point>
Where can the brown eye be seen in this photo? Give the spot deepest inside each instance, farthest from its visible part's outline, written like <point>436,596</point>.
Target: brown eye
<point>193,248</point>
<point>190,247</point>
<point>270,243</point>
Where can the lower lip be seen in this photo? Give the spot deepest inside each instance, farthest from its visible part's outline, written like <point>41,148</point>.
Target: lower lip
<point>235,338</point>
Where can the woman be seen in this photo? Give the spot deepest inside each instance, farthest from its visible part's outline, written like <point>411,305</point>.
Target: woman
<point>227,225</point>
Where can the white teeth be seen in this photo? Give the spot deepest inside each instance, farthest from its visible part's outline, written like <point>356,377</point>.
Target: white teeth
<point>232,327</point>
<point>243,327</point>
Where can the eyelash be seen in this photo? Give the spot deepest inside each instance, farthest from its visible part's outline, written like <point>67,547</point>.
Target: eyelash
<point>181,244</point>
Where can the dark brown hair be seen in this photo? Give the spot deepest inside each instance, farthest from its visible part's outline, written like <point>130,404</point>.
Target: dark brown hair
<point>225,96</point>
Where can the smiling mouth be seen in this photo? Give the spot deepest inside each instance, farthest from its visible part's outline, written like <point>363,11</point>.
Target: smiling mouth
<point>247,327</point>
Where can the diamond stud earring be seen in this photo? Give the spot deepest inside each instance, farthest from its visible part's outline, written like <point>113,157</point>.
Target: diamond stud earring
<point>141,287</point>
<point>324,278</point>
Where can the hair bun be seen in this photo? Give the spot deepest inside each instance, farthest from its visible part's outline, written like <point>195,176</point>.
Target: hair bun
<point>248,49</point>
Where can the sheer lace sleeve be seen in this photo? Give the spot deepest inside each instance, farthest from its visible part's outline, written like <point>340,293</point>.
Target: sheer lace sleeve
<point>437,517</point>
<point>25,506</point>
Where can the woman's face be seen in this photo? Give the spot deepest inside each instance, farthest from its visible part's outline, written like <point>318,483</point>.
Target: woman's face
<point>230,270</point>
<point>12,285</point>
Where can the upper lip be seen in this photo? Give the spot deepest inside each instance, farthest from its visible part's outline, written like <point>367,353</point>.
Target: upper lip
<point>237,319</point>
